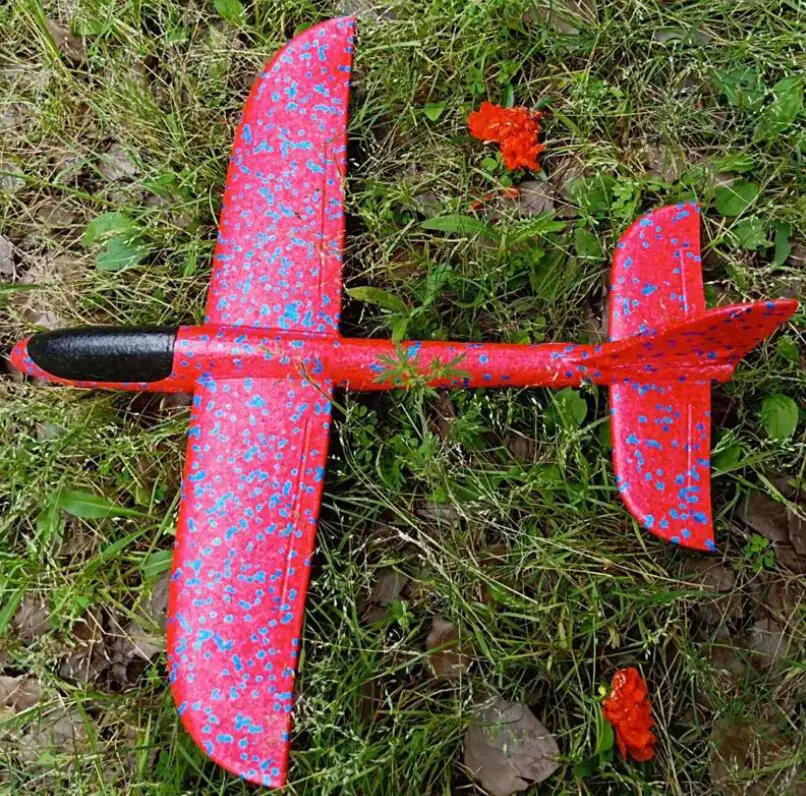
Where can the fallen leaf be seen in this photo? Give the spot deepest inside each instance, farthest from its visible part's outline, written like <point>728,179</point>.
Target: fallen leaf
<point>766,516</point>
<point>6,257</point>
<point>19,693</point>
<point>444,414</point>
<point>796,528</point>
<point>522,448</point>
<point>768,642</point>
<point>727,656</point>
<point>61,729</point>
<point>445,659</point>
<point>714,577</point>
<point>784,598</point>
<point>31,619</point>
<point>507,749</point>
<point>439,513</point>
<point>388,586</point>
<point>11,178</point>
<point>157,605</point>
<point>143,643</point>
<point>568,17</point>
<point>70,46</point>
<point>366,10</point>
<point>664,162</point>
<point>86,660</point>
<point>741,753</point>
<point>117,164</point>
<point>535,197</point>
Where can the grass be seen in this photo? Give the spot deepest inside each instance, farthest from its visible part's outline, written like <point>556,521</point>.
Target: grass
<point>642,109</point>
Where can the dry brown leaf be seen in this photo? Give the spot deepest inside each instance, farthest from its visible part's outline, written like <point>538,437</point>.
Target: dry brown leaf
<point>766,516</point>
<point>768,643</point>
<point>87,658</point>
<point>741,752</point>
<point>796,529</point>
<point>19,693</point>
<point>727,656</point>
<point>507,748</point>
<point>31,619</point>
<point>521,447</point>
<point>445,659</point>
<point>6,257</point>
<point>157,605</point>
<point>440,513</point>
<point>388,586</point>
<point>11,178</point>
<point>143,644</point>
<point>70,46</point>
<point>569,17</point>
<point>117,164</point>
<point>535,197</point>
<point>714,577</point>
<point>444,414</point>
<point>61,729</point>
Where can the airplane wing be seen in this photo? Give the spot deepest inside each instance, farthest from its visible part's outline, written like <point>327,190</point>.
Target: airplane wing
<point>257,447</point>
<point>252,486</point>
<point>661,454</point>
<point>277,263</point>
<point>661,420</point>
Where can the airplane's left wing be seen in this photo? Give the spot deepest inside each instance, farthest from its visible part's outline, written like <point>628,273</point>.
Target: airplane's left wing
<point>277,264</point>
<point>251,491</point>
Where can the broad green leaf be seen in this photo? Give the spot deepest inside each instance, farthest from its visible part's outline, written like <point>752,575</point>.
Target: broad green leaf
<point>536,227</point>
<point>740,163</point>
<point>156,563</point>
<point>231,10</point>
<point>119,253</point>
<point>590,765</point>
<point>751,234</point>
<point>787,348</point>
<point>105,225</point>
<point>733,200</point>
<point>605,735</point>
<point>783,248</point>
<point>587,244</point>
<point>568,409</point>
<point>779,416</point>
<point>458,225</point>
<point>90,506</point>
<point>728,457</point>
<point>779,115</point>
<point>592,194</point>
<point>743,88</point>
<point>433,110</point>
<point>381,298</point>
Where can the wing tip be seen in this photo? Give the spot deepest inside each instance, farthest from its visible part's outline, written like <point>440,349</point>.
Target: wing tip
<point>269,769</point>
<point>701,539</point>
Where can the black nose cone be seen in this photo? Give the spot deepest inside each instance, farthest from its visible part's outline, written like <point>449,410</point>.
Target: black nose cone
<point>108,354</point>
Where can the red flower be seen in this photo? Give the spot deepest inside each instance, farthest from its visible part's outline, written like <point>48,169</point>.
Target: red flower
<point>627,708</point>
<point>514,129</point>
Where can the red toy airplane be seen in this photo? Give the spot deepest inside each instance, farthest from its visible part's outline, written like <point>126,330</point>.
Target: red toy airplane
<point>263,367</point>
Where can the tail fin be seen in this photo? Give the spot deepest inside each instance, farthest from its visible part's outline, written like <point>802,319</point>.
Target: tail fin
<point>704,349</point>
<point>669,351</point>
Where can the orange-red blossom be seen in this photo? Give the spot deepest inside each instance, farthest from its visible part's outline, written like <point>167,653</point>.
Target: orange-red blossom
<point>627,709</point>
<point>516,131</point>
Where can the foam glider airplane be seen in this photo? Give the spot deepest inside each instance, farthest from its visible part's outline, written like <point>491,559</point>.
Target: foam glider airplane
<point>263,366</point>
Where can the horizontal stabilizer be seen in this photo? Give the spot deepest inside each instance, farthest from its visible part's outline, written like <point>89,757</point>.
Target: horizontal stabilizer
<point>656,278</point>
<point>661,446</point>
